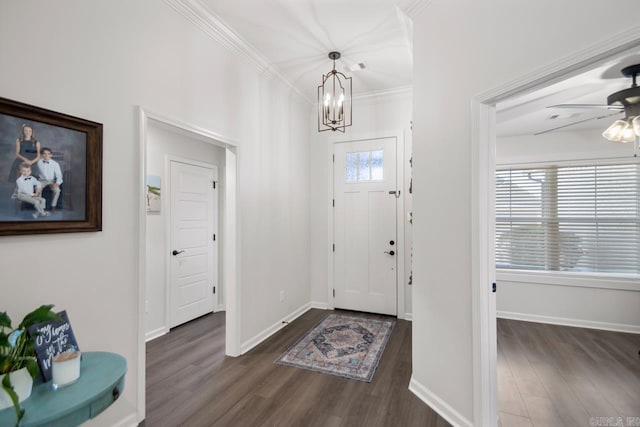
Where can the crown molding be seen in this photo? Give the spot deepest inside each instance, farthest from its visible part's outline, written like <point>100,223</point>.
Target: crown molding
<point>206,20</point>
<point>412,8</point>
<point>385,92</point>
<point>406,24</point>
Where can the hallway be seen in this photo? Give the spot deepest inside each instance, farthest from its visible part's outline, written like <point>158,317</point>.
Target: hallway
<point>191,383</point>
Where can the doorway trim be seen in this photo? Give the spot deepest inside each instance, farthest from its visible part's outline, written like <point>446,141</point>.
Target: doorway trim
<point>483,143</point>
<point>399,137</point>
<point>230,251</point>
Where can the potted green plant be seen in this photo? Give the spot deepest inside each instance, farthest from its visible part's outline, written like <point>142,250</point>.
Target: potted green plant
<point>18,365</point>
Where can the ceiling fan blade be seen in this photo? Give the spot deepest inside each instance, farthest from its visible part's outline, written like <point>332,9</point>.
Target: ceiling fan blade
<point>589,106</point>
<point>578,122</point>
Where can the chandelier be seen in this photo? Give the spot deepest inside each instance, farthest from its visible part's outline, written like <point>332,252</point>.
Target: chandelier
<point>334,99</point>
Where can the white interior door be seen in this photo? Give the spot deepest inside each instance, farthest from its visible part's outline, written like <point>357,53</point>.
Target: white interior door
<point>193,242</point>
<point>366,244</point>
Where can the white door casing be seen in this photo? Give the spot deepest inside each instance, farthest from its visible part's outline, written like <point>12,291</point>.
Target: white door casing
<point>193,266</point>
<point>365,224</point>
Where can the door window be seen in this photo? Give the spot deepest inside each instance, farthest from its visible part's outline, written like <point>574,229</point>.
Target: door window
<point>363,166</point>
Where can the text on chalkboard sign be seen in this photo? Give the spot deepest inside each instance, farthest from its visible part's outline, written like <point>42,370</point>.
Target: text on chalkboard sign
<point>51,339</point>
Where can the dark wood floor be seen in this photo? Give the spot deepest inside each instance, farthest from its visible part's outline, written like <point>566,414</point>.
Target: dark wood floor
<point>190,382</point>
<point>548,375</point>
<point>551,375</point>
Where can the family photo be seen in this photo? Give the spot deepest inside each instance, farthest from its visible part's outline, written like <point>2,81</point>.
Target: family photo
<point>42,171</point>
<point>50,171</point>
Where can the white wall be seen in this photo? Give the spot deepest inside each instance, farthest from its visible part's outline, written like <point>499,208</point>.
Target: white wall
<point>569,299</point>
<point>100,60</point>
<point>274,191</point>
<point>463,48</point>
<point>163,141</point>
<point>372,117</point>
<point>559,146</point>
<point>610,304</point>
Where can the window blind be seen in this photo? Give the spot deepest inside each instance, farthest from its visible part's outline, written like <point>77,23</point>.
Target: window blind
<point>575,218</point>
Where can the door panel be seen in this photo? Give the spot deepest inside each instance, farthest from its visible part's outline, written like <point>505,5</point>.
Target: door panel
<point>193,222</point>
<point>190,266</point>
<point>364,225</point>
<point>190,210</point>
<point>191,238</point>
<point>192,293</point>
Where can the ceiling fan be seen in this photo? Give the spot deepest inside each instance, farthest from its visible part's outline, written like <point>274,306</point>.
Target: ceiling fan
<point>625,101</point>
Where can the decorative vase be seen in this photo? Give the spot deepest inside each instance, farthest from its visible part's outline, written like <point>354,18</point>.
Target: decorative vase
<point>22,382</point>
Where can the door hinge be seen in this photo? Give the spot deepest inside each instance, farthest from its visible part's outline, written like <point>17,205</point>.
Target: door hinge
<point>214,184</point>
<point>334,247</point>
<point>334,203</point>
<point>334,293</point>
<point>493,287</point>
<point>214,289</point>
<point>214,237</point>
<point>334,158</point>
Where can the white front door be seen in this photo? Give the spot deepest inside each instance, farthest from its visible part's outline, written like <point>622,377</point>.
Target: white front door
<point>366,244</point>
<point>193,248</point>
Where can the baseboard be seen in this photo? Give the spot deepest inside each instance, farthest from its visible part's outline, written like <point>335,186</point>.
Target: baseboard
<point>130,421</point>
<point>152,335</point>
<point>319,305</point>
<point>578,323</point>
<point>408,316</point>
<point>438,405</point>
<point>120,414</point>
<point>221,307</point>
<point>252,342</point>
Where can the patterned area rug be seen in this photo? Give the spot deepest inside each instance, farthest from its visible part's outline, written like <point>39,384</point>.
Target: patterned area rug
<point>341,345</point>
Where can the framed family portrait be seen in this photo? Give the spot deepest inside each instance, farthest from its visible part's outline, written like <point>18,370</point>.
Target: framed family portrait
<point>50,171</point>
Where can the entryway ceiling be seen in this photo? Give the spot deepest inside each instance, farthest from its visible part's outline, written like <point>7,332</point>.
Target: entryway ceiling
<point>295,36</point>
<point>292,38</point>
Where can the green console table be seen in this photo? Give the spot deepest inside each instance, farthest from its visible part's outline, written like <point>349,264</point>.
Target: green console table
<point>101,382</point>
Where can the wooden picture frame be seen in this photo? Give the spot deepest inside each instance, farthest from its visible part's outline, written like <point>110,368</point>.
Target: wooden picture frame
<point>61,157</point>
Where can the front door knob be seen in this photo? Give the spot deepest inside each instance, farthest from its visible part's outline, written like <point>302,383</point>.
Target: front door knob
<point>390,252</point>
<point>175,252</point>
<point>391,242</point>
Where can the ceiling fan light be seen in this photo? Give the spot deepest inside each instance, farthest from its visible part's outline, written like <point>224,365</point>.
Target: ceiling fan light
<point>636,125</point>
<point>616,131</point>
<point>628,135</point>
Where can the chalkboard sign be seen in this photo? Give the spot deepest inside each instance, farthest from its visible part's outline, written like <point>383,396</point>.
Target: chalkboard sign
<point>51,339</point>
